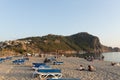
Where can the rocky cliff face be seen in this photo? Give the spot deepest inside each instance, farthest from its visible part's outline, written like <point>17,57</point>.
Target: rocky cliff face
<point>87,42</point>
<point>110,49</point>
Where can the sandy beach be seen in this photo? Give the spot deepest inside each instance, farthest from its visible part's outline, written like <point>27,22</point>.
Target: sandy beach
<point>104,70</point>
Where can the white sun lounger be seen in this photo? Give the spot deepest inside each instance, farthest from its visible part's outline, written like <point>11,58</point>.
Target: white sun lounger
<point>41,67</point>
<point>48,73</point>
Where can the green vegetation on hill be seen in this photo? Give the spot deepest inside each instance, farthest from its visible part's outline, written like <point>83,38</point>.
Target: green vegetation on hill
<point>76,42</point>
<point>80,42</point>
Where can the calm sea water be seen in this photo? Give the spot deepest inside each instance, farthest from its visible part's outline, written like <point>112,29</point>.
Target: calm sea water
<point>112,56</point>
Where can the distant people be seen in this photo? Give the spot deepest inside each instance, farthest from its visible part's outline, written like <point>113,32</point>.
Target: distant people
<point>92,58</point>
<point>115,64</point>
<point>47,60</point>
<point>81,68</point>
<point>85,57</point>
<point>103,57</point>
<point>89,58</point>
<point>91,68</point>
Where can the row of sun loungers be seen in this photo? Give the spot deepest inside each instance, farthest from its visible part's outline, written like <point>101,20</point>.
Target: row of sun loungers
<point>17,61</point>
<point>4,59</point>
<point>20,61</point>
<point>44,71</point>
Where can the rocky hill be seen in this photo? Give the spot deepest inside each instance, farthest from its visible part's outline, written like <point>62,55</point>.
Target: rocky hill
<point>77,43</point>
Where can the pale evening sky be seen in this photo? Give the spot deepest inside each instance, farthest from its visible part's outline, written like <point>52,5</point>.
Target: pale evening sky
<point>26,18</point>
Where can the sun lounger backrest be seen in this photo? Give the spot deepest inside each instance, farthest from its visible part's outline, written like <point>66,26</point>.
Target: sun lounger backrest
<point>57,63</point>
<point>49,70</point>
<point>38,64</point>
<point>65,79</point>
<point>45,66</point>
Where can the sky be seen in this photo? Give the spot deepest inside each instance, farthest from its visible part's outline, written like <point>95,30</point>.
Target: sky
<point>27,18</point>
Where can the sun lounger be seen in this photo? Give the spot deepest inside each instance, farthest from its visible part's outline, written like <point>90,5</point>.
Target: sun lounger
<point>1,60</point>
<point>19,61</point>
<point>65,79</point>
<point>26,59</point>
<point>8,58</point>
<point>48,73</point>
<point>41,67</point>
<point>57,63</point>
<point>38,64</point>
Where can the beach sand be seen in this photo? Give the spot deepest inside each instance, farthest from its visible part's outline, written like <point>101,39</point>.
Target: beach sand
<point>104,70</point>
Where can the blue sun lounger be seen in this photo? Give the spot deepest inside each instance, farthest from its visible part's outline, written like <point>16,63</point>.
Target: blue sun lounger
<point>1,60</point>
<point>18,61</point>
<point>65,79</point>
<point>57,63</point>
<point>41,67</point>
<point>46,73</point>
<point>38,64</point>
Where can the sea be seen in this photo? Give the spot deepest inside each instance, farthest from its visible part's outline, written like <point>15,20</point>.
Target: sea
<point>112,56</point>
